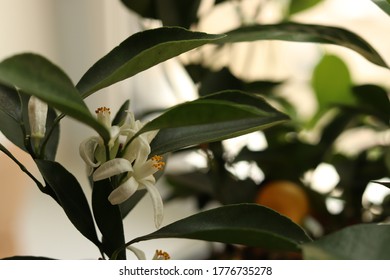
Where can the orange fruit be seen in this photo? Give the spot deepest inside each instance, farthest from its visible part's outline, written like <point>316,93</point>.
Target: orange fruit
<point>286,198</point>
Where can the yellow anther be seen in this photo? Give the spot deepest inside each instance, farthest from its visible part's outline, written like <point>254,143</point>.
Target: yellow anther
<point>103,110</point>
<point>158,163</point>
<point>161,255</point>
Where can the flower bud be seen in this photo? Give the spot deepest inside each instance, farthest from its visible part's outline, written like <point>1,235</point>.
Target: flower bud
<point>37,113</point>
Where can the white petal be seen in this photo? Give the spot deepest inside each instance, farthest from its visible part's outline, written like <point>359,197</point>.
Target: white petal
<point>137,252</point>
<point>111,168</point>
<point>157,203</point>
<point>114,134</point>
<point>124,191</point>
<point>143,169</point>
<point>37,113</point>
<point>87,151</point>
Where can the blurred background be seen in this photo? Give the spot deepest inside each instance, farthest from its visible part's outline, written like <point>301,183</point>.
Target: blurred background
<point>74,34</point>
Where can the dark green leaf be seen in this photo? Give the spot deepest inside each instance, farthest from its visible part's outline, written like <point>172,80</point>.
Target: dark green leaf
<point>359,242</point>
<point>52,144</point>
<point>246,224</point>
<point>108,218</point>
<point>297,32</point>
<point>224,80</point>
<point>297,6</point>
<point>10,103</point>
<point>11,116</point>
<point>384,5</point>
<point>121,114</point>
<point>212,118</point>
<point>35,75</point>
<point>70,196</point>
<point>373,100</point>
<point>140,52</point>
<point>170,12</point>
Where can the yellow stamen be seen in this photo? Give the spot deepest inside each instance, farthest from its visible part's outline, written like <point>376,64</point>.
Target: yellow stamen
<point>158,163</point>
<point>161,255</point>
<point>103,110</point>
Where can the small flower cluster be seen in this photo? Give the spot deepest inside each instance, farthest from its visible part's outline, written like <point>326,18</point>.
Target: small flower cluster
<point>126,156</point>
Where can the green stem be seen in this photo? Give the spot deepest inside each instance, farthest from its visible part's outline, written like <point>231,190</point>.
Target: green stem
<point>22,167</point>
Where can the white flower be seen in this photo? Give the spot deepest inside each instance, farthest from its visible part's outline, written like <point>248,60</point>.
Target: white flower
<point>139,176</point>
<point>158,255</point>
<point>131,159</point>
<point>37,113</point>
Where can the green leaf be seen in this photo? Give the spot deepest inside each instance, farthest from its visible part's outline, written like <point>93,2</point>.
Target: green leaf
<point>246,224</point>
<point>11,116</point>
<point>140,52</point>
<point>384,5</point>
<point>35,75</point>
<point>170,12</point>
<point>298,32</point>
<point>121,114</point>
<point>358,242</point>
<point>108,218</point>
<point>332,83</point>
<point>373,100</point>
<point>297,6</point>
<point>215,117</point>
<point>70,196</point>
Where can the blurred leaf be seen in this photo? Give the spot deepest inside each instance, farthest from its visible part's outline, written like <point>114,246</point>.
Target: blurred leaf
<point>373,100</point>
<point>140,52</point>
<point>246,224</point>
<point>224,80</point>
<point>358,242</point>
<point>384,5</point>
<point>170,12</point>
<point>297,6</point>
<point>70,196</point>
<point>35,75</point>
<point>108,218</point>
<point>215,117</point>
<point>298,32</point>
<point>332,82</point>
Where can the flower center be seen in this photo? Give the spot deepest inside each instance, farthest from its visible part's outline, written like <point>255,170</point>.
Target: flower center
<point>103,116</point>
<point>161,255</point>
<point>157,162</point>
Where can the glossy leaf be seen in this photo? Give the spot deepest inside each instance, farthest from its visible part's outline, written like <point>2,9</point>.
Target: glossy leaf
<point>215,117</point>
<point>140,52</point>
<point>70,196</point>
<point>298,32</point>
<point>359,242</point>
<point>35,75</point>
<point>108,218</point>
<point>384,5</point>
<point>246,224</point>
